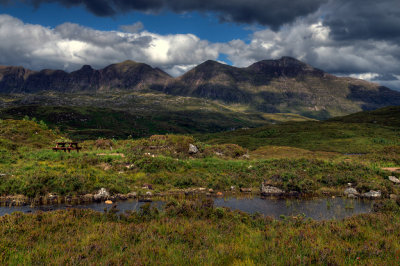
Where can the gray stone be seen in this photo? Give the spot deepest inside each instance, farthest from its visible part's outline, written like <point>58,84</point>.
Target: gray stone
<point>351,192</point>
<point>267,190</point>
<point>394,179</point>
<point>193,149</point>
<point>352,196</point>
<point>102,194</point>
<point>148,193</point>
<point>132,195</point>
<point>372,194</point>
<point>87,197</point>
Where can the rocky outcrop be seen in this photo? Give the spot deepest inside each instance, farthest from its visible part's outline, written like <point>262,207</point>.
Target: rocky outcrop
<point>267,190</point>
<point>351,192</point>
<point>372,194</point>
<point>102,194</point>
<point>394,179</point>
<point>193,149</point>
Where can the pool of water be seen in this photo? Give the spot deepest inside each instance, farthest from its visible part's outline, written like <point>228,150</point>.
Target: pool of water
<point>318,209</point>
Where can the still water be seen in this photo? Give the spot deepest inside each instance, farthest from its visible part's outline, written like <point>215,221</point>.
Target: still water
<point>318,209</point>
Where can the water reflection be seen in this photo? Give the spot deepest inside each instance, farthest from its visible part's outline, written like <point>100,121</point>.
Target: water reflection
<point>318,209</point>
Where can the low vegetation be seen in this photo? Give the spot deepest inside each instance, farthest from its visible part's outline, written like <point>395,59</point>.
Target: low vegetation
<point>312,158</point>
<point>197,233</point>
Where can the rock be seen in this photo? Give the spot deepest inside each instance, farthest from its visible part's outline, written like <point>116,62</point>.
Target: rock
<point>372,194</point>
<point>87,197</point>
<point>193,149</point>
<point>349,184</point>
<point>352,196</point>
<point>102,194</point>
<point>51,196</point>
<point>233,188</point>
<point>211,190</point>
<point>351,192</point>
<point>246,156</point>
<point>246,190</point>
<point>148,193</point>
<point>108,202</point>
<point>394,179</point>
<point>219,153</point>
<point>219,193</point>
<point>147,186</point>
<point>267,190</point>
<point>394,196</point>
<point>202,189</point>
<point>121,197</point>
<point>131,195</point>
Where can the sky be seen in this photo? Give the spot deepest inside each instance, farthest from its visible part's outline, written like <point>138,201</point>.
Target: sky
<point>358,38</point>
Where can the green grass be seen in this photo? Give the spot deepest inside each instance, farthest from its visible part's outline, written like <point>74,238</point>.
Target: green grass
<point>33,169</point>
<point>196,233</point>
<point>317,136</point>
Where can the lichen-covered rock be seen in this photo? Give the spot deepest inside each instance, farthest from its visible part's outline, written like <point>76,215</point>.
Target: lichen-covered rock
<point>394,179</point>
<point>87,197</point>
<point>102,194</point>
<point>267,190</point>
<point>372,194</point>
<point>132,195</point>
<point>351,192</point>
<point>193,149</point>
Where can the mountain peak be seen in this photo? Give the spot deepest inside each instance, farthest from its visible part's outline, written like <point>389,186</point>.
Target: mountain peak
<point>86,67</point>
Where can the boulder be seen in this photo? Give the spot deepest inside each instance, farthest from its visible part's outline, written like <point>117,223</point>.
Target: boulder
<point>87,197</point>
<point>372,194</point>
<point>394,179</point>
<point>102,194</point>
<point>121,197</point>
<point>351,192</point>
<point>193,149</point>
<point>267,190</point>
<point>132,195</point>
<point>246,156</point>
<point>147,186</point>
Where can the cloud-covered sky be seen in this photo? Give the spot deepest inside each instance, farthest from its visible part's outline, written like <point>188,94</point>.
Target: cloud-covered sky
<point>359,38</point>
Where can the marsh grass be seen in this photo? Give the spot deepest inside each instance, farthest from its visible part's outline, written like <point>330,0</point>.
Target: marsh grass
<point>195,232</point>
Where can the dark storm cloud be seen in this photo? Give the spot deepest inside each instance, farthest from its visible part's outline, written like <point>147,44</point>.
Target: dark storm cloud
<point>363,19</point>
<point>273,13</point>
<point>385,77</point>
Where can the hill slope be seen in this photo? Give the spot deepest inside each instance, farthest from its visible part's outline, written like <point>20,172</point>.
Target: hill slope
<point>269,86</point>
<point>125,75</point>
<point>284,85</point>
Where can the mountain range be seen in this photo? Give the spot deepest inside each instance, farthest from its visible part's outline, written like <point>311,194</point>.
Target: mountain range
<point>285,85</point>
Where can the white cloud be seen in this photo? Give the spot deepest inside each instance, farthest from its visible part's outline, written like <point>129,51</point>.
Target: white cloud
<point>69,46</point>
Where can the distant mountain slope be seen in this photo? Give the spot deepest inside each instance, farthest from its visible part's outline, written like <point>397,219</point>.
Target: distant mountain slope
<point>286,85</point>
<point>387,116</point>
<point>125,75</point>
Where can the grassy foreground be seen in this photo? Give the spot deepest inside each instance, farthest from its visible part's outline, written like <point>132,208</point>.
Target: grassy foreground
<point>194,233</point>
